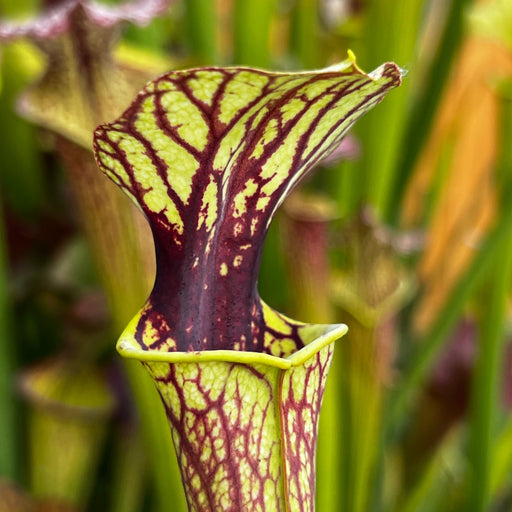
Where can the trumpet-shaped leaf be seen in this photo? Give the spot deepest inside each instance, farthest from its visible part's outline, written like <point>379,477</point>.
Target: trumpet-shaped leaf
<point>209,155</point>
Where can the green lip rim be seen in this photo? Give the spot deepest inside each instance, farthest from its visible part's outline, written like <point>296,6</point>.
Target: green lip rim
<point>334,332</point>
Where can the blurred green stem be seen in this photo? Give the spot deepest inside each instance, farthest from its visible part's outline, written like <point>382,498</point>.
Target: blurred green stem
<point>486,380</point>
<point>362,399</point>
<point>201,23</point>
<point>501,466</point>
<point>391,33</point>
<point>21,176</point>
<point>487,377</point>
<point>304,33</point>
<point>130,472</point>
<point>251,32</point>
<point>346,182</point>
<point>8,428</point>
<point>417,126</point>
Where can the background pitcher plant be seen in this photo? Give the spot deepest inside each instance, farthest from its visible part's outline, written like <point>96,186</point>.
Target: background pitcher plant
<point>401,232</point>
<point>209,155</point>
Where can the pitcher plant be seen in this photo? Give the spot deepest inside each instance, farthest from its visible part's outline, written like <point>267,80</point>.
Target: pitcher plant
<point>208,155</point>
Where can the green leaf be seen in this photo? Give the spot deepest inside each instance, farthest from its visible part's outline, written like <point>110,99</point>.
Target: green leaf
<point>8,432</point>
<point>74,94</point>
<point>209,155</point>
<point>201,22</point>
<point>251,31</point>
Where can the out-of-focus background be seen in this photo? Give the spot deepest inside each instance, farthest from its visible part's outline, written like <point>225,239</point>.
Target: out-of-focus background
<point>405,235</point>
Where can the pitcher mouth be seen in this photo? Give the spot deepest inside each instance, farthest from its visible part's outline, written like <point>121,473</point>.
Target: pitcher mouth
<point>209,155</point>
<point>331,333</point>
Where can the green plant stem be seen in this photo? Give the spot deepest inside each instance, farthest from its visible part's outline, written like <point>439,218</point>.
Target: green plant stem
<point>8,430</point>
<point>164,466</point>
<point>486,382</point>
<point>329,490</point>
<point>391,34</point>
<point>21,176</point>
<point>201,23</point>
<point>154,37</point>
<point>304,33</point>
<point>501,466</point>
<point>421,116</point>
<point>129,472</point>
<point>251,32</point>
<point>430,345</point>
<point>362,412</point>
<point>346,182</point>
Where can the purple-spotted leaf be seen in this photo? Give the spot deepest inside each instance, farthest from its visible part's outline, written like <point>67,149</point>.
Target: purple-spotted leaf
<point>208,155</point>
<point>77,37</point>
<point>245,428</point>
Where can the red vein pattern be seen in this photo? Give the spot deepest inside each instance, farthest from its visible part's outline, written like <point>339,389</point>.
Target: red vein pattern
<point>245,435</point>
<point>302,389</point>
<point>209,155</point>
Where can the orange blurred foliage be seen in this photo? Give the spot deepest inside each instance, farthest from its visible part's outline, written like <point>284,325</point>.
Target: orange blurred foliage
<point>463,147</point>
